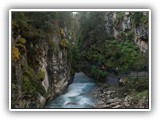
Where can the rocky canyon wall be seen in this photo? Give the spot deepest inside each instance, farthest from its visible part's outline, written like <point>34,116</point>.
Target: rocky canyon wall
<point>130,26</point>
<point>40,68</point>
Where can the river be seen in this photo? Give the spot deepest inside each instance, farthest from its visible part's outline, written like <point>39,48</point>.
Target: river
<point>77,94</point>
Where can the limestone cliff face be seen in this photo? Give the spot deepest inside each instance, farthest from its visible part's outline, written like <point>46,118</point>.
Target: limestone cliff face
<point>39,72</point>
<point>128,25</point>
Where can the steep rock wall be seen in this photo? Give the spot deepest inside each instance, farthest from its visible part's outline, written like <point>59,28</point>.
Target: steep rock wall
<point>39,72</point>
<point>128,25</point>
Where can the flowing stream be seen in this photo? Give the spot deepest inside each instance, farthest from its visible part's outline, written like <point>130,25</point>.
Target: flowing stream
<point>77,95</point>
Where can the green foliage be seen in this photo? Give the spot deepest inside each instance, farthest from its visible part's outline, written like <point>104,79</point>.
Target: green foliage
<point>14,25</point>
<point>19,21</point>
<point>137,87</point>
<point>125,55</point>
<point>98,74</point>
<point>37,30</point>
<point>119,15</point>
<point>129,35</point>
<point>138,18</point>
<point>122,35</point>
<point>28,86</point>
<point>74,58</point>
<point>38,26</point>
<point>140,95</point>
<point>139,84</point>
<point>29,90</point>
<point>92,29</point>
<point>119,18</point>
<point>31,34</point>
<point>15,28</point>
<point>32,83</point>
<point>95,54</point>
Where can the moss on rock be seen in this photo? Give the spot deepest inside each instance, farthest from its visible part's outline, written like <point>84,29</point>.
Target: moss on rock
<point>15,54</point>
<point>41,75</point>
<point>64,43</point>
<point>22,41</point>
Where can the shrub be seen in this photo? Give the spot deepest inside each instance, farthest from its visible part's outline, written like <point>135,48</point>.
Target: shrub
<point>130,35</point>
<point>138,18</point>
<point>32,84</point>
<point>140,95</point>
<point>98,74</point>
<point>28,88</point>
<point>119,15</point>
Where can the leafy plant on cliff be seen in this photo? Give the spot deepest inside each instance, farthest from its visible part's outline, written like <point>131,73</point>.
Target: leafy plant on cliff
<point>22,41</point>
<point>32,83</point>
<point>125,55</point>
<point>64,43</point>
<point>41,75</point>
<point>98,74</point>
<point>119,18</point>
<point>28,87</point>
<point>139,17</point>
<point>15,54</point>
<point>62,32</point>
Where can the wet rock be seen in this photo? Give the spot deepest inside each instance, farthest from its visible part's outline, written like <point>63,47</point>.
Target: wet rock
<point>126,104</point>
<point>127,98</point>
<point>101,106</point>
<point>110,92</point>
<point>117,106</point>
<point>112,100</point>
<point>114,104</point>
<point>41,101</point>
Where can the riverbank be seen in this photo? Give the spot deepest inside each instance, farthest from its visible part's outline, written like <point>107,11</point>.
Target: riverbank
<point>84,92</point>
<point>109,97</point>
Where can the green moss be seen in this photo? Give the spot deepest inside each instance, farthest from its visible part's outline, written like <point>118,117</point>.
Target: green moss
<point>64,43</point>
<point>22,41</point>
<point>15,54</point>
<point>62,32</point>
<point>41,75</point>
<point>21,47</point>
